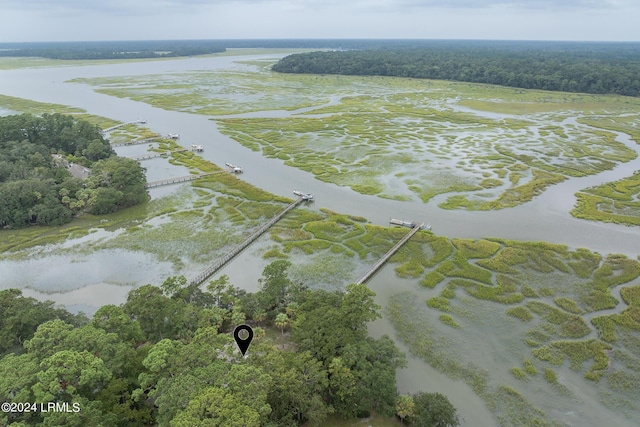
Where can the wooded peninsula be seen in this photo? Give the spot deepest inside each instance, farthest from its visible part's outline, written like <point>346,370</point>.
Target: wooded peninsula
<point>599,68</point>
<point>37,156</point>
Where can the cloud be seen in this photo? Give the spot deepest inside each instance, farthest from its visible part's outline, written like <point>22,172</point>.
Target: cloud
<point>153,6</point>
<point>515,4</point>
<point>182,19</point>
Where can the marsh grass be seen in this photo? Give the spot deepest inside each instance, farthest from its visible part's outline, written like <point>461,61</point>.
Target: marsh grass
<point>577,352</point>
<point>448,320</point>
<point>381,132</point>
<point>557,283</point>
<point>36,108</point>
<point>617,202</point>
<point>520,312</point>
<point>631,295</point>
<point>550,376</point>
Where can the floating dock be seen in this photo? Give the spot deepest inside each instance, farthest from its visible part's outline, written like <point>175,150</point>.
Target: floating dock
<point>409,224</point>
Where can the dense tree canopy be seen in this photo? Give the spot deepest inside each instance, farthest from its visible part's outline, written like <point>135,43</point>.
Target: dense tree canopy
<point>571,67</point>
<point>167,358</point>
<point>36,186</point>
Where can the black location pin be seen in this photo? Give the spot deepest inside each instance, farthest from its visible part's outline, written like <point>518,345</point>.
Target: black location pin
<point>243,343</point>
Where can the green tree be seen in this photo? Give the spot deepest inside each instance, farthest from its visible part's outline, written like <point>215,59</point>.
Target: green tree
<point>159,316</point>
<point>49,338</point>
<point>434,410</point>
<point>342,388</point>
<point>68,374</point>
<point>17,376</point>
<point>21,317</point>
<point>116,354</point>
<point>282,321</point>
<point>276,289</point>
<point>358,306</point>
<point>217,407</point>
<point>292,309</point>
<point>86,413</point>
<point>299,385</point>
<point>405,407</point>
<point>113,319</point>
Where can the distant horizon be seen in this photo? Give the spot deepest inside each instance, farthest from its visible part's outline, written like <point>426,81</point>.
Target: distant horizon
<point>249,39</point>
<point>517,20</point>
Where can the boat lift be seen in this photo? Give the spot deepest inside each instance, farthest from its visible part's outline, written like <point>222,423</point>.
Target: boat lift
<point>307,197</point>
<point>409,224</point>
<point>233,168</point>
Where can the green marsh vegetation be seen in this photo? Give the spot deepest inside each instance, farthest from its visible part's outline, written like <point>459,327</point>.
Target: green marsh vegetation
<point>410,154</point>
<point>217,212</point>
<point>542,307</point>
<point>404,139</point>
<point>22,105</point>
<point>617,202</point>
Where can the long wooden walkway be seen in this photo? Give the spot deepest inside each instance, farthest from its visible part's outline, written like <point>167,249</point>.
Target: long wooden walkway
<point>148,156</point>
<point>135,122</point>
<point>202,277</point>
<point>389,254</point>
<point>135,142</point>
<point>179,179</point>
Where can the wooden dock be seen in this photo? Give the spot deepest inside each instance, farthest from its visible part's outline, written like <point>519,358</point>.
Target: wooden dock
<point>148,156</point>
<point>202,277</point>
<point>112,128</point>
<point>389,254</point>
<point>179,179</point>
<point>135,142</point>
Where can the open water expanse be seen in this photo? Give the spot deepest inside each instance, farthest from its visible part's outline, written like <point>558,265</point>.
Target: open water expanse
<point>105,278</point>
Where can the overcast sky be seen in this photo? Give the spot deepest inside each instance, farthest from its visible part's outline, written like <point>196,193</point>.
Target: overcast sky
<point>56,20</point>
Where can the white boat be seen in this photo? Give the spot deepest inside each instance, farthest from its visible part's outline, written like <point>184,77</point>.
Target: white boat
<point>173,136</point>
<point>305,196</point>
<point>196,147</point>
<point>233,168</point>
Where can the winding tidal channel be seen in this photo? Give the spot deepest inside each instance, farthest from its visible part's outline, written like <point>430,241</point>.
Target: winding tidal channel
<point>90,281</point>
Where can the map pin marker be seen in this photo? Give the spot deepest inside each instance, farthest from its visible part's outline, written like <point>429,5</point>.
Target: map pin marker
<point>243,343</point>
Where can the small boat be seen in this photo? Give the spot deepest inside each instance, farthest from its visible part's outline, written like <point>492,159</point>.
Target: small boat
<point>173,136</point>
<point>233,168</point>
<point>196,147</point>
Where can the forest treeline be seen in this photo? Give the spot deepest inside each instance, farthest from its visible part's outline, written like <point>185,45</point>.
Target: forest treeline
<point>166,357</point>
<point>112,49</point>
<point>589,68</point>
<point>36,186</point>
